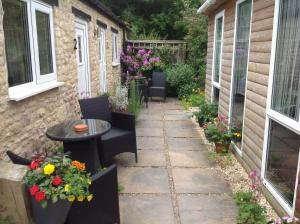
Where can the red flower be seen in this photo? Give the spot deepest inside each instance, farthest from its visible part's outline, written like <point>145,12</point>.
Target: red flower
<point>57,181</point>
<point>34,164</point>
<point>40,196</point>
<point>34,189</point>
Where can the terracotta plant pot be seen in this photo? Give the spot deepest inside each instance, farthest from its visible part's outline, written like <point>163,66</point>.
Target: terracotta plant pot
<point>54,213</point>
<point>221,148</point>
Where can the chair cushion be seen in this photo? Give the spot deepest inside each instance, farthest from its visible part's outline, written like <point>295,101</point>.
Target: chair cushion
<point>115,133</point>
<point>157,87</point>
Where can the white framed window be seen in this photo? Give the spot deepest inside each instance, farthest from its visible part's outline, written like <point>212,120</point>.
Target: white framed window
<point>280,164</point>
<point>29,46</point>
<point>115,58</point>
<point>242,32</point>
<point>217,56</point>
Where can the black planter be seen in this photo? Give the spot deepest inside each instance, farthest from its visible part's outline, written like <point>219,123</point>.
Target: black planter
<point>53,214</point>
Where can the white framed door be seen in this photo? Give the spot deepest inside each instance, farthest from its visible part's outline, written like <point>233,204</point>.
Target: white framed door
<point>82,55</point>
<point>102,61</point>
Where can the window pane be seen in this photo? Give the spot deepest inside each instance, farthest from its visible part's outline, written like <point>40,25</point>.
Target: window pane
<point>286,84</point>
<point>216,95</point>
<point>218,45</point>
<point>79,49</point>
<point>282,160</point>
<point>44,42</point>
<point>240,66</point>
<point>17,44</point>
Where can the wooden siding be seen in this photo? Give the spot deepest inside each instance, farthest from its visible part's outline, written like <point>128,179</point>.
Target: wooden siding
<point>257,79</point>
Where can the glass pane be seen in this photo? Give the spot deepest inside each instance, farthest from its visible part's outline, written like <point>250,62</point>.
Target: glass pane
<point>218,45</point>
<point>44,42</point>
<point>17,44</point>
<point>79,49</point>
<point>216,95</point>
<point>286,84</point>
<point>282,160</point>
<point>240,67</point>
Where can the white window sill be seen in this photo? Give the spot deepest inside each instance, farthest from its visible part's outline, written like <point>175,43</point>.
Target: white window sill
<point>115,64</point>
<point>18,96</point>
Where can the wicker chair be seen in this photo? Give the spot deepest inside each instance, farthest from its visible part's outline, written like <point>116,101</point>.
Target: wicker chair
<point>18,159</point>
<point>158,85</point>
<point>121,138</point>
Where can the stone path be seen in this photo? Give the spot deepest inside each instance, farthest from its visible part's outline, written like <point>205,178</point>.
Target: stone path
<point>173,182</point>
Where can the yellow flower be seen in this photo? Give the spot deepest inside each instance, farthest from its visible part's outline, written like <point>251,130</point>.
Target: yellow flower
<point>67,187</point>
<point>90,197</point>
<point>71,198</point>
<point>80,198</point>
<point>49,169</point>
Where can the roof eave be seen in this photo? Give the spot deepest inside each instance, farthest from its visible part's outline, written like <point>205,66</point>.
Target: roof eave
<point>209,5</point>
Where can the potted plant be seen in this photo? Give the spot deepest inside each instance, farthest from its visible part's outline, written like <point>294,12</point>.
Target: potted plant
<point>54,183</point>
<point>219,133</point>
<point>207,112</point>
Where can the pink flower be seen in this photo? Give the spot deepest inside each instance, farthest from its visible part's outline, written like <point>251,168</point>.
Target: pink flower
<point>277,221</point>
<point>146,63</point>
<point>253,175</point>
<point>135,65</point>
<point>129,48</point>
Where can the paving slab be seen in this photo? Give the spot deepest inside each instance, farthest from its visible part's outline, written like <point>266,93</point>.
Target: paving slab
<point>182,132</point>
<point>186,144</point>
<point>149,132</point>
<point>177,117</point>
<point>150,142</point>
<point>143,180</point>
<point>180,124</point>
<point>200,181</point>
<point>149,124</point>
<point>207,209</point>
<point>189,159</point>
<point>150,117</point>
<point>174,112</point>
<point>146,209</point>
<point>151,158</point>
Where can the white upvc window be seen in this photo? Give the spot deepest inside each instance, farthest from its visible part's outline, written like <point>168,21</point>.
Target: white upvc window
<point>29,46</point>
<point>217,57</point>
<point>280,165</point>
<point>115,58</point>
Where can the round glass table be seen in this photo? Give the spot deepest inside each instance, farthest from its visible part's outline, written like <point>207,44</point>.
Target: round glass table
<point>82,145</point>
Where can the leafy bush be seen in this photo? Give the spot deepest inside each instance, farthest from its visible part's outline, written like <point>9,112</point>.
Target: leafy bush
<point>135,99</point>
<point>3,220</point>
<point>194,100</point>
<point>249,210</point>
<point>182,78</point>
<point>207,113</point>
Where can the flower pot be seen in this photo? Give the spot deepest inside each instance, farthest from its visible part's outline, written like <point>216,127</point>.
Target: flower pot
<point>53,214</point>
<point>222,147</point>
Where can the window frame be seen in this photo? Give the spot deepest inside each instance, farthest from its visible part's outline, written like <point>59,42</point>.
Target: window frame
<point>283,120</point>
<point>115,58</point>
<point>237,149</point>
<point>39,83</point>
<point>215,84</point>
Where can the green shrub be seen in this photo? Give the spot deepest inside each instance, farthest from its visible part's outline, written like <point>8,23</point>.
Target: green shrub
<point>3,220</point>
<point>249,210</point>
<point>207,112</point>
<point>182,78</point>
<point>135,100</point>
<point>218,131</point>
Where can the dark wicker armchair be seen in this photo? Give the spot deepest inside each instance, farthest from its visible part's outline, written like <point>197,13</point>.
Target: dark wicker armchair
<point>121,138</point>
<point>158,85</point>
<point>18,159</point>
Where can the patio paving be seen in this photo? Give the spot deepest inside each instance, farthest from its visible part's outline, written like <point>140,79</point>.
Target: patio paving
<point>173,182</point>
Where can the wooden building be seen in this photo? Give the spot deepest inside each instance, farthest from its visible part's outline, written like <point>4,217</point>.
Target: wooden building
<point>253,74</point>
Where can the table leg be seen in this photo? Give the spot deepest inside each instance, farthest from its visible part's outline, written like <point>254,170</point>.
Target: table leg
<point>85,152</point>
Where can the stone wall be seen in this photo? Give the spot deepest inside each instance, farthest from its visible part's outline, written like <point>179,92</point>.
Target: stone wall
<point>22,122</point>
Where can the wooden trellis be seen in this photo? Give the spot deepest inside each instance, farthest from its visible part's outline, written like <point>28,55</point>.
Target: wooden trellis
<point>176,47</point>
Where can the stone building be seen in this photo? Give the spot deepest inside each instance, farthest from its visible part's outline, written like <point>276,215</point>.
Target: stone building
<point>253,75</point>
<point>51,53</point>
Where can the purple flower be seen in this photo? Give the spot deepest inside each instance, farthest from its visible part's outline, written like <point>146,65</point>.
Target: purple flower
<point>135,65</point>
<point>146,63</point>
<point>253,175</point>
<point>277,221</point>
<point>129,48</point>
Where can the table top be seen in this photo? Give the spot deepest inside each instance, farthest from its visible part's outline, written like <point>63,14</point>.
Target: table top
<point>65,130</point>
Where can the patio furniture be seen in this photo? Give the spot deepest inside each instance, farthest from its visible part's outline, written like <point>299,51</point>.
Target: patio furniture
<point>82,145</point>
<point>104,207</point>
<point>158,85</point>
<point>121,137</point>
<point>18,159</point>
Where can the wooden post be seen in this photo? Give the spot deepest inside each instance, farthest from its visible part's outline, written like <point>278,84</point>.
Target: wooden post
<point>13,198</point>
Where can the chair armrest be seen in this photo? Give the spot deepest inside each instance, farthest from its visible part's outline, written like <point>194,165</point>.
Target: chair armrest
<point>123,121</point>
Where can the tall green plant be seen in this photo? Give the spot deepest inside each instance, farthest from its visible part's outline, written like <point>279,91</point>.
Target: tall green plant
<point>135,99</point>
